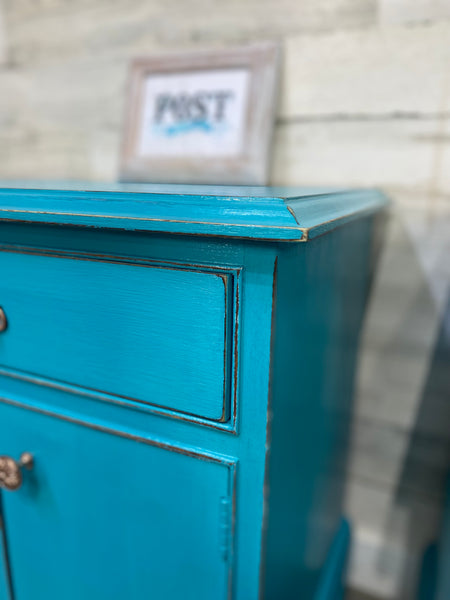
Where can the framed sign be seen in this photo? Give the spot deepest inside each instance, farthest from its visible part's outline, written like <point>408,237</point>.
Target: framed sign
<point>201,117</point>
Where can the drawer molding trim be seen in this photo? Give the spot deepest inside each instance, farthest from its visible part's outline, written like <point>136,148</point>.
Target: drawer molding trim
<point>231,278</point>
<point>230,463</point>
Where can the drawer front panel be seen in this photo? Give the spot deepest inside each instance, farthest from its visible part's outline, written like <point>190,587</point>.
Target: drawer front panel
<point>156,335</point>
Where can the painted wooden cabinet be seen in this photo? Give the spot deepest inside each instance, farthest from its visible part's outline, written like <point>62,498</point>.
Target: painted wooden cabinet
<point>176,369</point>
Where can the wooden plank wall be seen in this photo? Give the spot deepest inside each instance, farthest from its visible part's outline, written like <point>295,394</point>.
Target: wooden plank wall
<point>365,100</point>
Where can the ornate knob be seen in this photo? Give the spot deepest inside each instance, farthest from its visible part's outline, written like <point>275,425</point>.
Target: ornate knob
<point>11,471</point>
<point>3,320</point>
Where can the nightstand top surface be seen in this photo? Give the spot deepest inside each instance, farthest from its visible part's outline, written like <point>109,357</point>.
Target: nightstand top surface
<point>270,213</point>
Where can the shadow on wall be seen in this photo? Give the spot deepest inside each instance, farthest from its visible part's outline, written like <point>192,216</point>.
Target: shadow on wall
<point>427,460</point>
<point>401,434</point>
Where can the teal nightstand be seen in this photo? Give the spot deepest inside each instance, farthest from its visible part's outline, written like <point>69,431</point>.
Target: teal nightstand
<point>176,364</point>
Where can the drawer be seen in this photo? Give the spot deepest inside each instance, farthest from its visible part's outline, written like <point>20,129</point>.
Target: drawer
<point>135,331</point>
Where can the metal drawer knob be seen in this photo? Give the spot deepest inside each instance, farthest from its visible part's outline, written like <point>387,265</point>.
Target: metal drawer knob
<point>11,471</point>
<point>3,320</point>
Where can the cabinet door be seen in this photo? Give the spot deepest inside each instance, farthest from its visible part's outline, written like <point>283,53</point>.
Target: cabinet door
<point>102,516</point>
<point>4,584</point>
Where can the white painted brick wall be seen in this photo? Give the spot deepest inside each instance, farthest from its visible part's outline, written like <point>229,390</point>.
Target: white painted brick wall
<point>380,72</point>
<point>2,37</point>
<point>410,12</point>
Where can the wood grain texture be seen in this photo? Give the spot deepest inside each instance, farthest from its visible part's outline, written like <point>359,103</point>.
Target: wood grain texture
<point>322,286</point>
<point>360,98</point>
<point>125,496</point>
<point>271,213</point>
<point>131,326</point>
<point>159,325</point>
<point>146,428</point>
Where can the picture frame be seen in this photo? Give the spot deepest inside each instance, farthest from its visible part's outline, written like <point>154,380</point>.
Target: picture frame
<point>201,116</point>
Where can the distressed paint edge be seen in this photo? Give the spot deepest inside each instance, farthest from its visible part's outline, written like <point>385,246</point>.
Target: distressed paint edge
<point>193,452</point>
<point>266,489</point>
<point>226,422</point>
<point>328,226</point>
<point>369,201</point>
<point>232,492</point>
<point>235,353</point>
<point>119,259</point>
<point>130,403</point>
<point>231,463</point>
<point>285,218</point>
<point>207,229</point>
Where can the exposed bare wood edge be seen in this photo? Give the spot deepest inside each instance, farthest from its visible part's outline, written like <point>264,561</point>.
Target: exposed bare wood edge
<point>228,235</point>
<point>231,346</point>
<point>226,391</point>
<point>96,195</point>
<point>145,219</point>
<point>232,485</point>
<point>337,191</point>
<point>116,399</point>
<point>186,451</point>
<point>235,355</point>
<point>262,565</point>
<point>119,259</point>
<point>327,226</point>
<point>377,198</point>
<point>282,201</point>
<point>309,231</point>
<point>291,210</point>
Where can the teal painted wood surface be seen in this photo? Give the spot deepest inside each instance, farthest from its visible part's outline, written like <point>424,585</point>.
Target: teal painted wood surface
<point>320,297</point>
<point>135,328</point>
<point>99,516</point>
<point>282,214</point>
<point>4,571</point>
<point>125,342</point>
